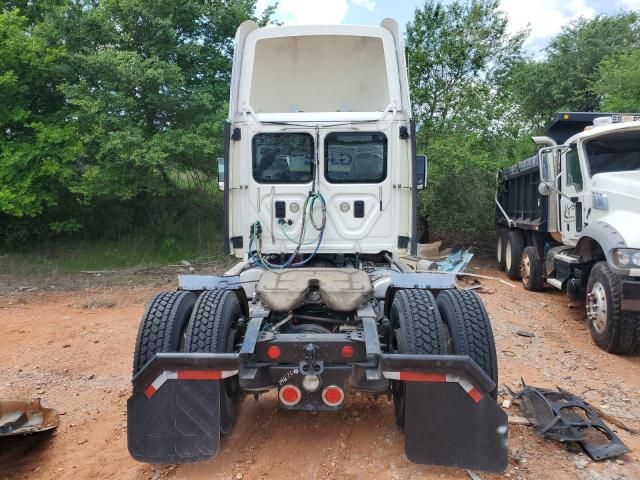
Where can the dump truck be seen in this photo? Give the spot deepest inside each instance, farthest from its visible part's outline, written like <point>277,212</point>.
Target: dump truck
<point>320,178</point>
<point>569,217</point>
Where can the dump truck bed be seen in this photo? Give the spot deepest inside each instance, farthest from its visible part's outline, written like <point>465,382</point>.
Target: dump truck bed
<point>518,194</point>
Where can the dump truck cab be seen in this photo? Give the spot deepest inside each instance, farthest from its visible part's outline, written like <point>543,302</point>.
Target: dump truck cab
<point>600,182</point>
<point>572,212</point>
<point>320,178</point>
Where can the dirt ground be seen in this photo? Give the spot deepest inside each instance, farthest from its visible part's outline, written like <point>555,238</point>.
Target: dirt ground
<point>74,349</point>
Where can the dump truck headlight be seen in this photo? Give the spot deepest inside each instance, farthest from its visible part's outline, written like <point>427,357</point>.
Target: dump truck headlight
<point>626,258</point>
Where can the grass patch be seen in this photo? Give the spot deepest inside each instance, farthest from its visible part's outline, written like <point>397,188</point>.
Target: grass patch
<point>188,227</point>
<point>96,303</point>
<point>139,249</point>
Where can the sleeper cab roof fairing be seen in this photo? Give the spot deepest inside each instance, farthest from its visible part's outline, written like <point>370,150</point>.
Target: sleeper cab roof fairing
<point>333,71</point>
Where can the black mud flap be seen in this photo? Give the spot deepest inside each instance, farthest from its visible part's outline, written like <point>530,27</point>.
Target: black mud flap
<point>445,426</point>
<point>180,423</point>
<point>173,415</point>
<point>450,417</point>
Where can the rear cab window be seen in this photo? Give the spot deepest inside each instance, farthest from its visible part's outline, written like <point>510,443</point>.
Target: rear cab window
<point>355,157</point>
<point>282,157</point>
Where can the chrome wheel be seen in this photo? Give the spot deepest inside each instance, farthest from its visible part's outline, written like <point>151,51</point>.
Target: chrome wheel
<point>597,307</point>
<point>507,255</point>
<point>499,249</point>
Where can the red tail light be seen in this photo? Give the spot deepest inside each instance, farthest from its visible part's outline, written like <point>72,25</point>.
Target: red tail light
<point>289,395</point>
<point>333,396</point>
<point>273,352</point>
<point>347,351</point>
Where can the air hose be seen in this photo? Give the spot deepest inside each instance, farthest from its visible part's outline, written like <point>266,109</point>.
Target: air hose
<point>307,214</point>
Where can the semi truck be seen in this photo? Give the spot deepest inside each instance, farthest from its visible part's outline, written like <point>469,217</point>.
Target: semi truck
<point>320,176</point>
<point>569,217</point>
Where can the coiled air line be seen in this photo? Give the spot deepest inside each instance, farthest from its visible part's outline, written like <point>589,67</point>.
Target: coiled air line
<point>307,214</point>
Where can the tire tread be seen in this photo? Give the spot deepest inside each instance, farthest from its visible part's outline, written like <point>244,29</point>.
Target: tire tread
<point>474,335</point>
<point>158,331</point>
<point>623,335</point>
<point>425,334</point>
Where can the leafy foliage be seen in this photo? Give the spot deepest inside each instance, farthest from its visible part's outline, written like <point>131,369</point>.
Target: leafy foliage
<point>565,79</point>
<point>111,111</point>
<point>39,146</point>
<point>107,104</point>
<point>459,54</point>
<point>619,84</point>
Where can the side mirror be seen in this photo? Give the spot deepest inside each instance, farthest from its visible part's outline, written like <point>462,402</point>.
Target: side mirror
<point>421,171</point>
<point>544,189</point>
<point>221,174</point>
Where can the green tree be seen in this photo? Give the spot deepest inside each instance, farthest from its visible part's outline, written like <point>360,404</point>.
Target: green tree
<point>618,85</point>
<point>565,78</point>
<point>151,90</point>
<point>459,55</point>
<point>458,52</point>
<point>109,106</point>
<point>38,144</point>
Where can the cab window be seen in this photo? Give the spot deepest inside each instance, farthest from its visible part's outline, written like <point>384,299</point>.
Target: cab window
<point>282,157</point>
<point>355,157</point>
<point>574,174</point>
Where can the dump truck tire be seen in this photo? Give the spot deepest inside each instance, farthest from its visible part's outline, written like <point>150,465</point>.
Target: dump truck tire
<point>162,326</point>
<point>215,327</point>
<point>612,329</point>
<point>513,254</point>
<point>469,329</point>
<point>531,270</point>
<point>500,248</point>
<point>416,329</point>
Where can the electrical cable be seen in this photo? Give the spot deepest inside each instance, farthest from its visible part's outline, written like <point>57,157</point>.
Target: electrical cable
<point>307,213</point>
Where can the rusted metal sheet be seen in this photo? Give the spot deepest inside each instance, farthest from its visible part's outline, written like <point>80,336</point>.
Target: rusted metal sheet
<point>20,417</point>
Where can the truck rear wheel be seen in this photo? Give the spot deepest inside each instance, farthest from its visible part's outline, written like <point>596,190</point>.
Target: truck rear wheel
<point>500,247</point>
<point>416,328</point>
<point>217,326</point>
<point>613,330</point>
<point>162,326</point>
<point>531,270</point>
<point>469,329</point>
<point>513,253</point>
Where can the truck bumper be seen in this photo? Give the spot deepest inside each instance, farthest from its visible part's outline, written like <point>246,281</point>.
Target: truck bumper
<point>450,417</point>
<point>631,295</point>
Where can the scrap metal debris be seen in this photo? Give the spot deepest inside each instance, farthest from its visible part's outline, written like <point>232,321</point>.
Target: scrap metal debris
<point>20,417</point>
<point>560,415</point>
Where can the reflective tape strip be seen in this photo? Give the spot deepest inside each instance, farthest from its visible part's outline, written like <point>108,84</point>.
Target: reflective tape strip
<point>472,391</point>
<point>187,375</point>
<point>468,387</point>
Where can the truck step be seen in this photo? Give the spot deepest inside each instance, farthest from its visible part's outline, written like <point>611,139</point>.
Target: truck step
<point>554,282</point>
<point>563,257</point>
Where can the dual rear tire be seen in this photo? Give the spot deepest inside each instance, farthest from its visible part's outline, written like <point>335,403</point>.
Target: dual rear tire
<point>456,323</point>
<point>519,262</point>
<point>183,322</point>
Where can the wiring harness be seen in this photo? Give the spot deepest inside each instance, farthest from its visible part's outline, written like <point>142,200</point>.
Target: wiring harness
<point>307,214</point>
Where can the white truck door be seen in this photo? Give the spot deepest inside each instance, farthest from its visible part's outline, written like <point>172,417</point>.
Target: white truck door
<point>280,178</point>
<point>356,183</point>
<point>571,202</point>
